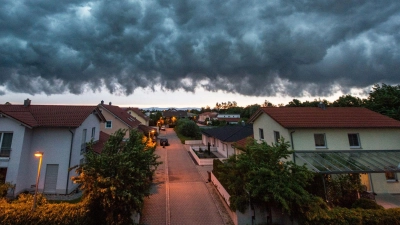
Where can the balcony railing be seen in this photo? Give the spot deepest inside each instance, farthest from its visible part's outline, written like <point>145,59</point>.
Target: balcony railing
<point>5,152</point>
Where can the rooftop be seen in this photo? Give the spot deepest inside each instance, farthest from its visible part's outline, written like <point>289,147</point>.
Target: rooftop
<point>331,117</point>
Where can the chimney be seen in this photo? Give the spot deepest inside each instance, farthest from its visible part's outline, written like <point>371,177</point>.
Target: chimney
<point>102,102</point>
<point>27,102</point>
<point>321,105</point>
<point>109,103</point>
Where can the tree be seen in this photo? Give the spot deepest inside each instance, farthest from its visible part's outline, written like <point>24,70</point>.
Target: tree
<point>249,110</point>
<point>188,128</point>
<point>385,99</point>
<point>117,180</point>
<point>348,101</point>
<point>264,176</point>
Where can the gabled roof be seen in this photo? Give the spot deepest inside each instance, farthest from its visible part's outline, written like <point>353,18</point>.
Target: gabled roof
<point>230,133</point>
<point>50,115</point>
<point>122,115</point>
<point>138,112</point>
<point>331,117</point>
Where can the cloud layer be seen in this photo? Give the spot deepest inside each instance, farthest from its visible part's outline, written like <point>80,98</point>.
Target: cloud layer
<point>259,48</point>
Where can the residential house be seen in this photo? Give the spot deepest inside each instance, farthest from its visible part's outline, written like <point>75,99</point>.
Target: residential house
<point>207,116</point>
<point>229,118</point>
<point>118,118</point>
<point>171,115</point>
<point>139,115</point>
<point>337,140</point>
<point>224,138</point>
<point>59,131</point>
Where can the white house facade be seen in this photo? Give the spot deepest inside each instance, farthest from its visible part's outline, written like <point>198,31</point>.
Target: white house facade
<point>223,138</point>
<point>342,131</point>
<point>59,132</point>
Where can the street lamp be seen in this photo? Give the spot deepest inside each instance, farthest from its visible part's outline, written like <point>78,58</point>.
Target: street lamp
<point>152,131</point>
<point>40,155</point>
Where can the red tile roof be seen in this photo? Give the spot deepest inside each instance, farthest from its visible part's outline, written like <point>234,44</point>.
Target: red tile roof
<point>331,117</point>
<point>103,138</point>
<point>50,115</point>
<point>138,112</point>
<point>122,115</point>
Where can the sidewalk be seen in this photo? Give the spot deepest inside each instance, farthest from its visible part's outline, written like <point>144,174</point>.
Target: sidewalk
<point>181,193</point>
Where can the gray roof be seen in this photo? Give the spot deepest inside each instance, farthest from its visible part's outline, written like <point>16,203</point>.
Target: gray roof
<point>230,133</point>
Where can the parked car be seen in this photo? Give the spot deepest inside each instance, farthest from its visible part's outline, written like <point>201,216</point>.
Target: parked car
<point>163,127</point>
<point>164,142</point>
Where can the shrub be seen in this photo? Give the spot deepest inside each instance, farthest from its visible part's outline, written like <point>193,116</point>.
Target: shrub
<point>20,212</point>
<point>364,203</point>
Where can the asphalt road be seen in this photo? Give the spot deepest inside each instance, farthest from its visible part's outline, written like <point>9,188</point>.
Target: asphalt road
<point>181,193</point>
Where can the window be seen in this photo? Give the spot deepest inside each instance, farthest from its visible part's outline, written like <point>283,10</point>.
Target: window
<point>390,175</point>
<point>354,140</point>
<point>109,124</point>
<point>5,140</point>
<point>261,133</point>
<point>83,142</point>
<point>277,136</point>
<point>320,141</point>
<point>93,132</point>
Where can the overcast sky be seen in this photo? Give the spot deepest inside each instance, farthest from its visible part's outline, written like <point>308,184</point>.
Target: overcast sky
<point>195,53</point>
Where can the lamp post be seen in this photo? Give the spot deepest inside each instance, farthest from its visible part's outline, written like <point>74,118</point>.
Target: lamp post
<point>40,155</point>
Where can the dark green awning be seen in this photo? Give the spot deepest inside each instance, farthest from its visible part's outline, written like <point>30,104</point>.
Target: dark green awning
<point>349,161</point>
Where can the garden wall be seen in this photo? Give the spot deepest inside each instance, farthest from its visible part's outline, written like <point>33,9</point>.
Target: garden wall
<point>201,162</point>
<point>193,142</point>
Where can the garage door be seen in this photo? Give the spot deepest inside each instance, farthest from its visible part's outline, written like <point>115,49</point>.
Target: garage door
<point>50,182</point>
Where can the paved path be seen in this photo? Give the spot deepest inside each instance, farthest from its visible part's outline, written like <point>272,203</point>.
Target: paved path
<point>181,193</point>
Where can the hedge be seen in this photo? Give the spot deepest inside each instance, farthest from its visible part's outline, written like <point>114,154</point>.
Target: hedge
<point>344,216</point>
<point>20,213</point>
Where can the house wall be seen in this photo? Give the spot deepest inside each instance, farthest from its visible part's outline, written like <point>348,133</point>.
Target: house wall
<point>13,162</point>
<point>25,164</point>
<point>76,156</point>
<point>223,148</point>
<point>141,119</point>
<point>269,126</point>
<point>116,124</point>
<point>55,144</point>
<point>336,139</point>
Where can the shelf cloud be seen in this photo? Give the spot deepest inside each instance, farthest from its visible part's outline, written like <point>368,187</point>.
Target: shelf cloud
<point>255,47</point>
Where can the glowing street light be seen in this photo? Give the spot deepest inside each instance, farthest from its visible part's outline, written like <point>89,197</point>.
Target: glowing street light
<point>40,155</point>
<point>152,131</point>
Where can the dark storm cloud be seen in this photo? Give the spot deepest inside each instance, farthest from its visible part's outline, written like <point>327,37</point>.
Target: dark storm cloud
<point>249,47</point>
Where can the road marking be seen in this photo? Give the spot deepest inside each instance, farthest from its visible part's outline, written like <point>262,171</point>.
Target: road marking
<point>168,211</point>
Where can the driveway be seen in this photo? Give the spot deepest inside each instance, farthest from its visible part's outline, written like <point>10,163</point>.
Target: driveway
<point>181,193</point>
